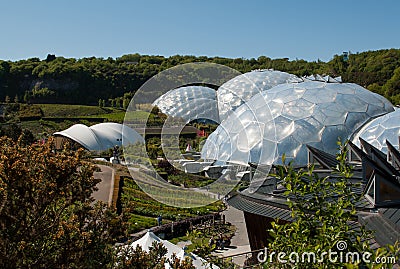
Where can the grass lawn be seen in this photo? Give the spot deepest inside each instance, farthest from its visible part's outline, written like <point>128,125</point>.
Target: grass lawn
<point>82,111</point>
<point>119,116</point>
<point>62,110</point>
<point>138,222</point>
<point>137,115</point>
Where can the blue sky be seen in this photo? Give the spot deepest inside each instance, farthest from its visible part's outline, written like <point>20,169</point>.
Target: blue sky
<point>307,30</point>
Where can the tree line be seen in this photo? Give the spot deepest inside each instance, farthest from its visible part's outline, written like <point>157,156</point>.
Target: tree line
<point>86,80</point>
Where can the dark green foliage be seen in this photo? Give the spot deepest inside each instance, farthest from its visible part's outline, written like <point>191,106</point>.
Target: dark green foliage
<point>16,133</point>
<point>12,131</point>
<point>84,81</point>
<point>391,88</point>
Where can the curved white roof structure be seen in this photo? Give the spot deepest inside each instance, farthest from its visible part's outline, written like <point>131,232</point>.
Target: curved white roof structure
<point>101,136</point>
<point>377,131</point>
<point>240,89</point>
<point>287,117</point>
<point>146,242</point>
<point>189,103</point>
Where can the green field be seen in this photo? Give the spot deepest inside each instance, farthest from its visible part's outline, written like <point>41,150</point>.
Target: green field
<point>62,110</point>
<point>120,116</point>
<point>82,111</point>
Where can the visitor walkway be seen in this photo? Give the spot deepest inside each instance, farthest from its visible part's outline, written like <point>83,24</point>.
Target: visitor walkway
<point>240,241</point>
<point>105,186</point>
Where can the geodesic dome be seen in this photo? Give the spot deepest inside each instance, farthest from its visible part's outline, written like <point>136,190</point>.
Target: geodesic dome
<point>287,117</point>
<point>377,131</point>
<point>189,103</point>
<point>101,136</point>
<point>240,89</point>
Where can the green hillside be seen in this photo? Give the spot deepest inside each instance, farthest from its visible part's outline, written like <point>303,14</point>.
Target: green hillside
<point>86,81</point>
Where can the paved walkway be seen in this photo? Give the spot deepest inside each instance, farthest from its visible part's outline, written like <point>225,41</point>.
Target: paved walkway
<point>240,241</point>
<point>106,185</point>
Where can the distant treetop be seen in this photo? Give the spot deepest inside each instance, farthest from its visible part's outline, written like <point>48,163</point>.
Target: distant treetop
<point>86,80</point>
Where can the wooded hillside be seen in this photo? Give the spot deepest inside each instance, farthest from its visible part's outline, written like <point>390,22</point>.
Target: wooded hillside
<point>86,80</point>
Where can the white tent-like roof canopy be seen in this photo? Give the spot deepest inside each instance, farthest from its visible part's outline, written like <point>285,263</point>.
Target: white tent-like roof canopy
<point>101,136</point>
<point>149,238</point>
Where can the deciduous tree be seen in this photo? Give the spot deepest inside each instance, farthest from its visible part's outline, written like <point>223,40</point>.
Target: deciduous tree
<point>47,219</point>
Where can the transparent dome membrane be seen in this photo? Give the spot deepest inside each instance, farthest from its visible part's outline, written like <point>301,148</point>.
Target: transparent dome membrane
<point>377,131</point>
<point>188,102</point>
<point>241,141</point>
<point>309,112</point>
<point>240,89</point>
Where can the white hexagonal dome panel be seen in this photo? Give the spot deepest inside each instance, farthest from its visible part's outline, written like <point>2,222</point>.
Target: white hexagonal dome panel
<point>189,103</point>
<point>377,131</point>
<point>240,89</point>
<point>287,117</point>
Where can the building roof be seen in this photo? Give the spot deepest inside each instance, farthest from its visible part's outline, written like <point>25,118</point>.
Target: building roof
<point>252,205</point>
<point>101,136</point>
